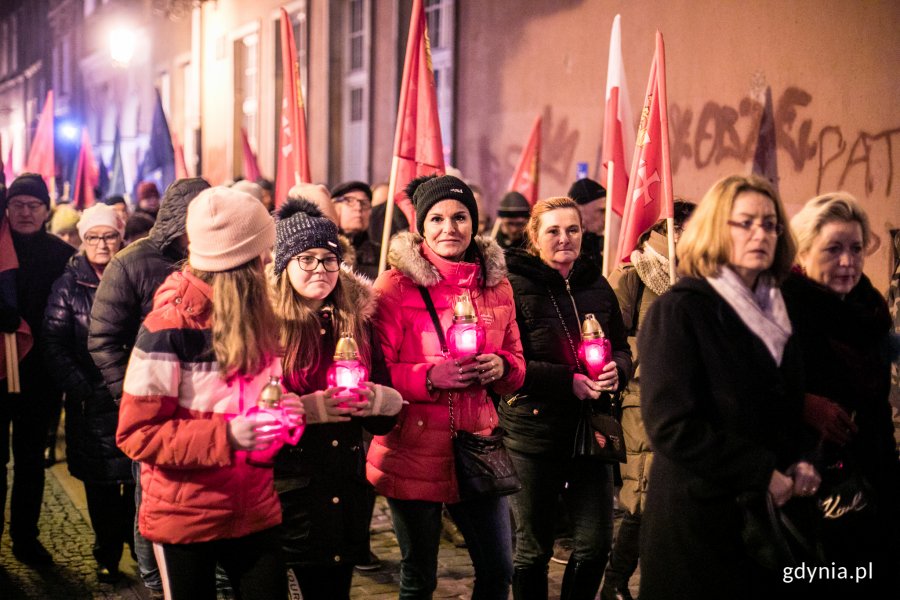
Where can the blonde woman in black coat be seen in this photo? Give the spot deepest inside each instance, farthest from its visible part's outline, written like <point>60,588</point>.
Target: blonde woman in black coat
<point>721,399</point>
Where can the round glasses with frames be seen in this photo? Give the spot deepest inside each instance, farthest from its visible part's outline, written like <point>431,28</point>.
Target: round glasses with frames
<point>311,263</point>
<point>94,240</point>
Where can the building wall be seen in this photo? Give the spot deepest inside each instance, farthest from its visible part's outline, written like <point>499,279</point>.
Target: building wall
<point>831,66</point>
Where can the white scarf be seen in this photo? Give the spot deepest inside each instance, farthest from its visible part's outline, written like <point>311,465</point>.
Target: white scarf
<point>762,310</point>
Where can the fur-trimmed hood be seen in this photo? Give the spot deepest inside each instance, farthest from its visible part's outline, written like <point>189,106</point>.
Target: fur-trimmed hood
<point>406,256</point>
<point>359,293</point>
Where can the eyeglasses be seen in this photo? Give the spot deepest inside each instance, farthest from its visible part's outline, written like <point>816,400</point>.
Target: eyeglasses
<point>311,263</point>
<point>26,206</point>
<point>94,240</point>
<point>768,227</point>
<point>352,202</point>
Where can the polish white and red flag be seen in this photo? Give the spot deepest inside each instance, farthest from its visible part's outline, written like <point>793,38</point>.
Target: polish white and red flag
<point>649,195</point>
<point>618,142</point>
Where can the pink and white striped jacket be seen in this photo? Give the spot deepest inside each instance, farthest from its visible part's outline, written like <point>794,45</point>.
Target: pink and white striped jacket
<point>173,419</point>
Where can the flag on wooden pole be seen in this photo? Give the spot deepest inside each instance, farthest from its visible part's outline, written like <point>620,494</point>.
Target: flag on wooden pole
<point>17,344</point>
<point>40,157</point>
<point>7,165</point>
<point>649,195</point>
<point>160,155</point>
<point>86,175</point>
<point>525,179</point>
<point>181,171</point>
<point>765,158</point>
<point>293,150</point>
<point>418,149</point>
<point>251,167</point>
<point>618,141</point>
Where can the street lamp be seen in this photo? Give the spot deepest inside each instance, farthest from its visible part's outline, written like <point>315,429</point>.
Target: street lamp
<point>121,46</point>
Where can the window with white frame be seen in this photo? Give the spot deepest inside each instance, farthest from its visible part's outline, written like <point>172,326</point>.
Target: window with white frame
<point>355,111</point>
<point>246,79</point>
<point>439,17</point>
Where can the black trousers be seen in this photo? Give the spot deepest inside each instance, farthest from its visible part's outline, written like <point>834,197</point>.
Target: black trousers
<point>254,564</point>
<point>324,582</point>
<point>111,507</point>
<point>25,417</point>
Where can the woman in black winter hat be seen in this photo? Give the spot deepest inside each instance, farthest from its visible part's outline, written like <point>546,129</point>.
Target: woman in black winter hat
<point>413,465</point>
<point>324,494</point>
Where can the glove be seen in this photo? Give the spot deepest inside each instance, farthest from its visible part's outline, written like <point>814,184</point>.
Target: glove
<point>387,402</point>
<point>325,407</point>
<point>9,319</point>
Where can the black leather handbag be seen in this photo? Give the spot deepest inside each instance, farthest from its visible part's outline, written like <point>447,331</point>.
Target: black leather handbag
<point>483,466</point>
<point>599,436</point>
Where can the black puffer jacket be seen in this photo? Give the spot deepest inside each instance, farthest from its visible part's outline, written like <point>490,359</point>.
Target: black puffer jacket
<point>321,481</point>
<point>125,295</point>
<point>91,414</point>
<point>541,418</point>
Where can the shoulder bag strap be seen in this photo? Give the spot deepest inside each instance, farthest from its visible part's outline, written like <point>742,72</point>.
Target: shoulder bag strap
<point>426,297</point>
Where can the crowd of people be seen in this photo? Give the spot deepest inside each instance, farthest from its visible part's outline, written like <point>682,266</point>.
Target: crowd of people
<point>193,341</point>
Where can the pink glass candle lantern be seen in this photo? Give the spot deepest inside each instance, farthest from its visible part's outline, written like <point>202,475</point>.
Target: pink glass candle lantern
<point>269,413</point>
<point>595,349</point>
<point>466,336</point>
<point>347,371</point>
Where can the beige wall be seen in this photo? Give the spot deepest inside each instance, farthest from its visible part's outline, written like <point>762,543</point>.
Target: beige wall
<point>832,67</point>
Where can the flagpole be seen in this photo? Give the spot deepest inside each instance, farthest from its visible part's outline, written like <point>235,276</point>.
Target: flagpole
<point>495,229</point>
<point>12,363</point>
<point>388,215</point>
<point>670,229</point>
<point>608,216</point>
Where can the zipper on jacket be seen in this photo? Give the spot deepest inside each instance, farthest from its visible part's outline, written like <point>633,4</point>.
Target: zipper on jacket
<point>574,306</point>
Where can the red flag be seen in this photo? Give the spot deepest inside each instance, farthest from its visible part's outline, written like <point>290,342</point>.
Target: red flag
<point>251,167</point>
<point>181,171</point>
<point>526,178</point>
<point>293,155</point>
<point>40,158</point>
<point>650,184</point>
<point>418,149</point>
<point>86,176</point>
<point>618,138</point>
<point>9,263</point>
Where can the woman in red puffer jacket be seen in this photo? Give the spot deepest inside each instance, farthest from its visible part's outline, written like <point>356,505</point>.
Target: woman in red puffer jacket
<point>413,465</point>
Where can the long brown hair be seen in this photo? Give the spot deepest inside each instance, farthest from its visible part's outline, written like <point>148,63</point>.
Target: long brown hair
<point>244,334</point>
<point>300,337</point>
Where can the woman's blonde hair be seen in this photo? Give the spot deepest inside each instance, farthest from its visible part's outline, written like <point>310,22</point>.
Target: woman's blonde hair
<point>834,206</point>
<point>541,208</point>
<point>244,334</point>
<point>300,329</point>
<point>705,245</point>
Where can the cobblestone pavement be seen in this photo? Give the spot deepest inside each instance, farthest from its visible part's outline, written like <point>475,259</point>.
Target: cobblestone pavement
<point>66,532</point>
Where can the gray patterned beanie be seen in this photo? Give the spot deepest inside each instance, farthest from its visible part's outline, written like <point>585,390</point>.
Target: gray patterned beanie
<point>300,226</point>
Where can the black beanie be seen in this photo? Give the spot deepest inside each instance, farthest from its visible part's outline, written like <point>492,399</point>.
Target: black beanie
<point>513,204</point>
<point>427,191</point>
<point>586,190</point>
<point>300,226</point>
<point>29,184</point>
<point>349,186</point>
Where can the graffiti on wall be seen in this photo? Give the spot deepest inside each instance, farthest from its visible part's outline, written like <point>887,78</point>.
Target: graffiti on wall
<point>722,132</point>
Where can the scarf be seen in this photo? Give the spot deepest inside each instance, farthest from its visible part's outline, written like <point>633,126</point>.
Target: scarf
<point>762,310</point>
<point>653,269</point>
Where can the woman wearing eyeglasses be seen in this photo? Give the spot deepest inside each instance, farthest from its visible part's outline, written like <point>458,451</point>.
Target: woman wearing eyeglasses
<point>91,414</point>
<point>321,482</point>
<point>721,400</point>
